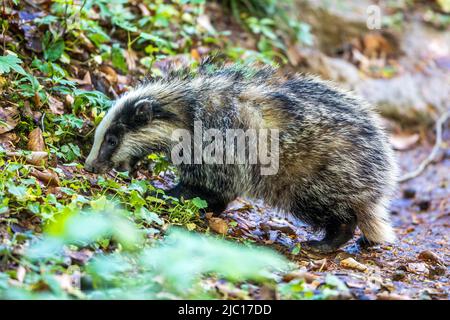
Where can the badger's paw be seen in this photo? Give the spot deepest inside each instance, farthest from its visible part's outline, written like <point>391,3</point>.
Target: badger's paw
<point>365,243</point>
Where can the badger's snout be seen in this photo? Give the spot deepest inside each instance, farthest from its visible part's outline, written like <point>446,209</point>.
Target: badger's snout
<point>89,167</point>
<point>97,167</point>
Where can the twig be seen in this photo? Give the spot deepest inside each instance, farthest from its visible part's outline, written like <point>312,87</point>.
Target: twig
<point>82,6</point>
<point>42,122</point>
<point>439,124</point>
<point>31,3</point>
<point>4,29</point>
<point>87,134</point>
<point>66,10</point>
<point>114,93</point>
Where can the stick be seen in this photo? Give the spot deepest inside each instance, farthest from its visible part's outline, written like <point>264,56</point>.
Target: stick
<point>439,124</point>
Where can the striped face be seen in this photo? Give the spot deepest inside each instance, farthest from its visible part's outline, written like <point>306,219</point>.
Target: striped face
<point>114,147</point>
<point>137,124</point>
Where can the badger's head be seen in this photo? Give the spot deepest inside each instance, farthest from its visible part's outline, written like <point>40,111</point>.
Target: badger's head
<point>138,123</point>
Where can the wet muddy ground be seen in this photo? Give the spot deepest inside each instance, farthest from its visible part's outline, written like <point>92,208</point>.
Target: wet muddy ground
<point>416,266</point>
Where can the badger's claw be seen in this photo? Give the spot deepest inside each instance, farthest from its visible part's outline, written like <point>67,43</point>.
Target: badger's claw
<point>364,243</point>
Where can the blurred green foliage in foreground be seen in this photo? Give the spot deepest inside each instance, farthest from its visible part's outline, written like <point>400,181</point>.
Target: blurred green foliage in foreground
<point>170,268</point>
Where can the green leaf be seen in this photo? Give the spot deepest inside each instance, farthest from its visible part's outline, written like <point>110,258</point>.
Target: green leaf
<point>19,192</point>
<point>47,248</point>
<point>138,185</point>
<point>296,250</point>
<point>157,40</point>
<point>445,5</point>
<point>118,58</point>
<point>10,62</point>
<point>53,49</point>
<point>150,217</point>
<point>199,203</point>
<point>185,256</point>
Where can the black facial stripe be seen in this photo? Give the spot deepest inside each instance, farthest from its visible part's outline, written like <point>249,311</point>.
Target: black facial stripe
<point>107,151</point>
<point>128,119</point>
<point>161,113</point>
<point>126,115</point>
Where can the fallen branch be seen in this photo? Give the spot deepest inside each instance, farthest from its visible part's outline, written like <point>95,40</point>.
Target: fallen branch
<point>439,124</point>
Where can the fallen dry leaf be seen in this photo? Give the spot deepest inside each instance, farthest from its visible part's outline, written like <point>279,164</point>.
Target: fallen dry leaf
<point>85,81</point>
<point>308,277</point>
<point>283,226</point>
<point>218,225</point>
<point>351,263</point>
<point>36,140</point>
<point>391,296</point>
<point>8,139</point>
<point>417,267</point>
<point>268,292</point>
<point>46,176</point>
<point>204,22</point>
<point>376,45</point>
<point>20,273</point>
<point>109,73</point>
<point>64,281</point>
<point>9,118</point>
<point>31,33</point>
<point>56,191</point>
<point>428,255</point>
<point>319,265</point>
<point>195,55</point>
<point>37,100</point>
<point>144,9</point>
<point>122,79</point>
<point>294,55</point>
<point>87,43</point>
<point>81,257</point>
<point>230,292</point>
<point>403,142</point>
<point>131,58</point>
<point>69,100</point>
<point>56,106</point>
<point>209,215</point>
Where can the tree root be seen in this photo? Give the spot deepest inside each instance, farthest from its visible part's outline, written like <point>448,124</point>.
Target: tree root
<point>439,124</point>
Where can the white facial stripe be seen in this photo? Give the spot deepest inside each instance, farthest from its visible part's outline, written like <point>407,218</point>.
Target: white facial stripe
<point>142,101</point>
<point>100,134</point>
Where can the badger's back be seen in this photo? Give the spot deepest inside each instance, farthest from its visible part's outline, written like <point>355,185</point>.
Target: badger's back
<point>334,159</point>
<point>333,154</point>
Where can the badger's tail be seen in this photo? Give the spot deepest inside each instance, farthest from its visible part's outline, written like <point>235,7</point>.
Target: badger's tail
<point>375,224</point>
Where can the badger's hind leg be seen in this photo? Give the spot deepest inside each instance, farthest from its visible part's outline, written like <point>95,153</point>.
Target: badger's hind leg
<point>336,219</point>
<point>337,233</point>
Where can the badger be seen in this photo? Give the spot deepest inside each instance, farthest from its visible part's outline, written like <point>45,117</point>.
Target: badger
<point>336,169</point>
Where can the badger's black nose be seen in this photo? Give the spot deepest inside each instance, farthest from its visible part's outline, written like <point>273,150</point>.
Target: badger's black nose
<point>90,168</point>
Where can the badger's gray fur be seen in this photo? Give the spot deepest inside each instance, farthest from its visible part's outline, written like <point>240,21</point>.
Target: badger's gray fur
<point>336,168</point>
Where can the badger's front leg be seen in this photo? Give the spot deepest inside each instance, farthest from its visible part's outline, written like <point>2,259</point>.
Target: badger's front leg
<point>216,203</point>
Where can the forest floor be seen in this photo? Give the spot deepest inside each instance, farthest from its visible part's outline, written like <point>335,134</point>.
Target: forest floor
<point>416,266</point>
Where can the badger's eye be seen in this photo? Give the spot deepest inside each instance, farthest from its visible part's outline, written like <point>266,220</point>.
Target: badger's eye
<point>112,141</point>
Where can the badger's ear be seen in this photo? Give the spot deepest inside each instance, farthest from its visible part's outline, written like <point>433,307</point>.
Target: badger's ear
<point>143,111</point>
